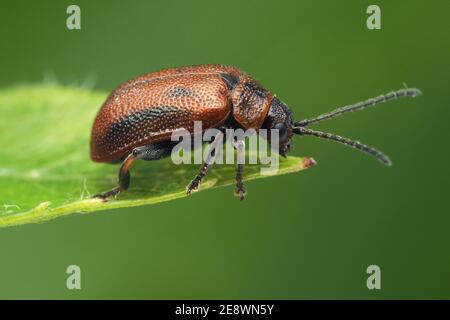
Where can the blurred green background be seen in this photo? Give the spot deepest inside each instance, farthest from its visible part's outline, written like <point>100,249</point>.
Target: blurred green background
<point>305,235</point>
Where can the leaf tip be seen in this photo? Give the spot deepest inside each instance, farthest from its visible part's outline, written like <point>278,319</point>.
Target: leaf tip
<point>308,162</point>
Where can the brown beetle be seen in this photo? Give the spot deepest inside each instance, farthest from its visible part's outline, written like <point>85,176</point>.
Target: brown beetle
<point>138,118</point>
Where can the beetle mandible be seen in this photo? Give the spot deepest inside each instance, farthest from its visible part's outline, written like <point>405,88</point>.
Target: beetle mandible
<point>138,118</point>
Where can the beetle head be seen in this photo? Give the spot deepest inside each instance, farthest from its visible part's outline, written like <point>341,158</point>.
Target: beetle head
<point>279,117</point>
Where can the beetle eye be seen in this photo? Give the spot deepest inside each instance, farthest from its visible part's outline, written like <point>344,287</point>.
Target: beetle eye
<point>282,130</point>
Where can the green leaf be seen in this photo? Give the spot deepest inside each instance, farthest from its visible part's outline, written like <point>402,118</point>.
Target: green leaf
<point>45,170</point>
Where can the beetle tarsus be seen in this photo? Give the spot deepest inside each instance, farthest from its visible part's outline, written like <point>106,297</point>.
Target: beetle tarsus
<point>193,186</point>
<point>195,183</point>
<point>240,192</point>
<point>105,196</point>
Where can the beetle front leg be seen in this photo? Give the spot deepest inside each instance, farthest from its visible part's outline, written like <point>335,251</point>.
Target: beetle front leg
<point>239,191</point>
<point>207,164</point>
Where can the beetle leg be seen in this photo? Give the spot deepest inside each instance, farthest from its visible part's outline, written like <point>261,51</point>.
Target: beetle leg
<point>239,191</point>
<point>195,183</point>
<point>150,152</point>
<point>124,176</point>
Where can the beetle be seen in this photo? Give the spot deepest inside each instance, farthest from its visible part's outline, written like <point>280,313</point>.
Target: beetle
<point>137,119</point>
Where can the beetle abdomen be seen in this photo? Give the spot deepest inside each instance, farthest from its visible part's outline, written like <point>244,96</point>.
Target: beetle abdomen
<point>149,108</point>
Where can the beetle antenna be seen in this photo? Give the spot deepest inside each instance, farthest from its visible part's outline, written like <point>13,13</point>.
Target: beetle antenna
<point>406,92</point>
<point>380,156</point>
